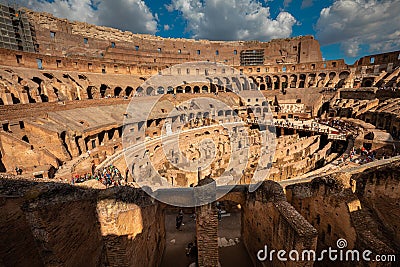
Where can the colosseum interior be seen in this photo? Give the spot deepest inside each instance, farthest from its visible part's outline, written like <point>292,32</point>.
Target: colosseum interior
<point>77,148</point>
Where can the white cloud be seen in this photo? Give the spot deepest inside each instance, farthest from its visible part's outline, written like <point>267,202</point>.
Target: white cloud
<point>353,23</point>
<point>233,20</point>
<point>132,15</point>
<point>167,27</point>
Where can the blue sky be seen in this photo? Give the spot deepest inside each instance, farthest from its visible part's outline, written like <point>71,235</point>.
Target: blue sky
<point>346,29</point>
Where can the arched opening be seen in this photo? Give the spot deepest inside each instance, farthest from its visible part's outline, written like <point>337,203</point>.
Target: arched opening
<point>262,87</point>
<point>128,91</point>
<point>1,102</point>
<point>332,76</point>
<point>367,83</point>
<point>188,89</point>
<point>213,88</point>
<point>43,97</point>
<point>90,92</point>
<point>170,90</point>
<point>117,91</point>
<point>139,91</point>
<point>196,90</point>
<point>302,80</point>
<point>285,83</point>
<point>343,76</point>
<point>179,90</point>
<point>268,82</point>
<point>25,139</point>
<point>150,91</point>
<point>160,90</point>
<point>16,100</point>
<point>311,79</point>
<point>321,80</point>
<point>293,81</point>
<point>204,89</point>
<point>103,90</point>
<point>276,83</point>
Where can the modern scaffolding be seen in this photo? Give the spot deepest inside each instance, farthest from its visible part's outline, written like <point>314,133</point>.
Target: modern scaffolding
<point>252,57</point>
<point>16,31</point>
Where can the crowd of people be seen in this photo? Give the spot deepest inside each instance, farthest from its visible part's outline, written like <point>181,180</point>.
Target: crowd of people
<point>342,126</point>
<point>109,176</point>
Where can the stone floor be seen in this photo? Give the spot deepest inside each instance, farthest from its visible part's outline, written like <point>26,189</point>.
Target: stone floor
<point>229,228</point>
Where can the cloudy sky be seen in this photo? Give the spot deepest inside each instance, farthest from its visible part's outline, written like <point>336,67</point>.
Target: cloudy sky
<point>346,29</point>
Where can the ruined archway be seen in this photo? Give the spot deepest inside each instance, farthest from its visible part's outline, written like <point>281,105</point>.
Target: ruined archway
<point>117,91</point>
<point>128,91</point>
<point>103,90</point>
<point>293,81</point>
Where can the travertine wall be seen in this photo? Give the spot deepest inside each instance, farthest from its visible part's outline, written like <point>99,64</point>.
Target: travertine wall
<point>268,219</point>
<point>359,206</point>
<point>103,42</point>
<point>58,225</point>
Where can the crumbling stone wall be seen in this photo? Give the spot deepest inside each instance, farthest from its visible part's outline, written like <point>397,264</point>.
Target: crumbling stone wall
<point>359,206</point>
<point>59,225</point>
<point>268,219</point>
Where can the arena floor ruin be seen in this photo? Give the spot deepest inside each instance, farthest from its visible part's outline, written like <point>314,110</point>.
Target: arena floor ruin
<point>97,152</point>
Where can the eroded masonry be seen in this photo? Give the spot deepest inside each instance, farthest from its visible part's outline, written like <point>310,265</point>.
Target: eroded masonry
<point>70,188</point>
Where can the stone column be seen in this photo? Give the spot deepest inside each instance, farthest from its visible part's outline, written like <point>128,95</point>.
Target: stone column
<point>206,224</point>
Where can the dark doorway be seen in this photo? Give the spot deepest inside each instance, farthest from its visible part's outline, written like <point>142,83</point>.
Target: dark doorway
<point>2,167</point>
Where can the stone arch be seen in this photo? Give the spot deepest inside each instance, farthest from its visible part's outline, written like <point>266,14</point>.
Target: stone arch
<point>150,91</point>
<point>188,89</point>
<point>321,80</point>
<point>253,84</point>
<point>276,83</point>
<point>117,91</point>
<point>332,76</point>
<point>262,87</point>
<point>302,80</point>
<point>368,83</point>
<point>92,92</point>
<point>16,100</point>
<point>205,89</point>
<point>213,88</point>
<point>170,90</point>
<point>128,91</point>
<point>311,79</point>
<point>196,89</point>
<point>285,82</point>
<point>293,81</point>
<point>103,90</point>
<point>227,80</point>
<point>179,90</point>
<point>139,91</point>
<point>268,82</point>
<point>245,85</point>
<point>160,90</point>
<point>343,76</point>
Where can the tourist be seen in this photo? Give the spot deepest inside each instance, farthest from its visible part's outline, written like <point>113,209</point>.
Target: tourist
<point>179,221</point>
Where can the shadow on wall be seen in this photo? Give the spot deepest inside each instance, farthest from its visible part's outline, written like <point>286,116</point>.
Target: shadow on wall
<point>57,224</point>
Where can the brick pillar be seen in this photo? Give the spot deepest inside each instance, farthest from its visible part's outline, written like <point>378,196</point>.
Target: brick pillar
<point>206,224</point>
